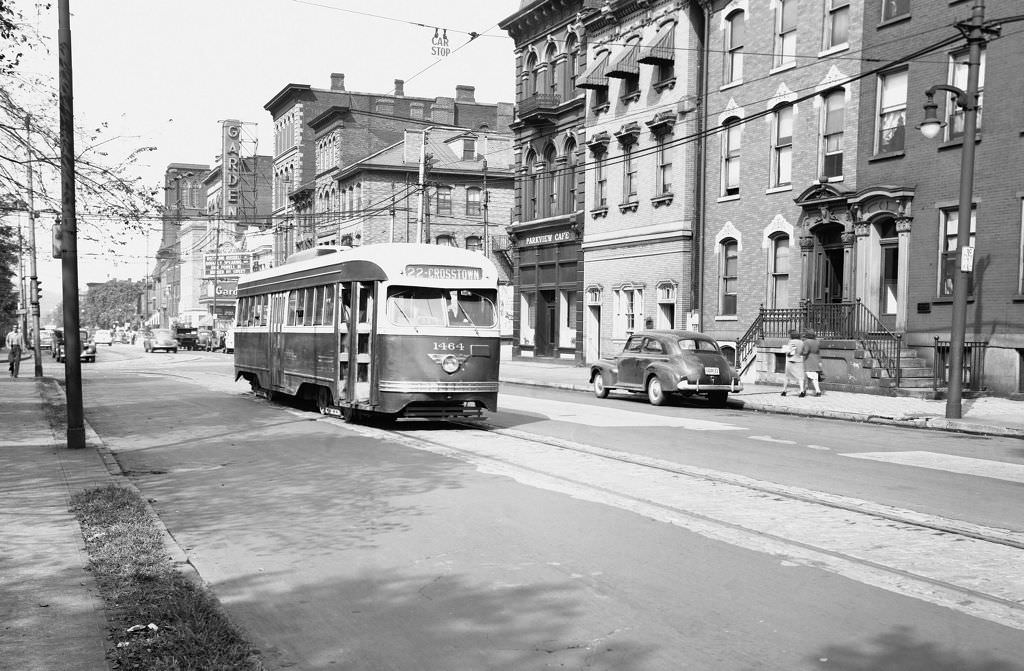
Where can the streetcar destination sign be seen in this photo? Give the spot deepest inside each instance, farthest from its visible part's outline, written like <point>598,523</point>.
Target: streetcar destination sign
<point>428,272</point>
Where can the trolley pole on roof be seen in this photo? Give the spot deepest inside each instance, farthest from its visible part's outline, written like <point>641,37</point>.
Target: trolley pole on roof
<point>69,234</point>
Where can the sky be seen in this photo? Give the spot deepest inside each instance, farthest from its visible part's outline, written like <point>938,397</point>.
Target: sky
<point>165,74</point>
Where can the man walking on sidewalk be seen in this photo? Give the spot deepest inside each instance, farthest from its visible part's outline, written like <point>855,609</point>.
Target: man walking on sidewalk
<point>15,343</point>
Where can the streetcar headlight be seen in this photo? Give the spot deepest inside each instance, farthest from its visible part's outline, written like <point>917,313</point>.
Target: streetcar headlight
<point>450,364</point>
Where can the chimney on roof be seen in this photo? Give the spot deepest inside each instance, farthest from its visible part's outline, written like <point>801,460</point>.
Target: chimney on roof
<point>465,94</point>
<point>337,81</point>
<point>399,87</point>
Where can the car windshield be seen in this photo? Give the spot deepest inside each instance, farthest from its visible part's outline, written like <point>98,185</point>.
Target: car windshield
<point>428,306</point>
<point>161,333</point>
<point>696,344</point>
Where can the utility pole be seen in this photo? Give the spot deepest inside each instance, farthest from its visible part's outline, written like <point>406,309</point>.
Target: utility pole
<point>69,234</point>
<point>420,228</point>
<point>216,269</point>
<point>33,277</point>
<point>487,237</point>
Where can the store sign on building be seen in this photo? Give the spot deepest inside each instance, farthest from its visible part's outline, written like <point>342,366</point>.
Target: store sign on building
<point>231,166</point>
<point>545,238</point>
<point>226,290</point>
<point>226,264</point>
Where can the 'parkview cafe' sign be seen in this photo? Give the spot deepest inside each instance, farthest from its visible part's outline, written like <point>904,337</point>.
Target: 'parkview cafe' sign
<point>545,238</point>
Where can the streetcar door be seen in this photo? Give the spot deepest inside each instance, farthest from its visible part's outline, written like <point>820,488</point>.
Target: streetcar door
<point>345,344</point>
<point>363,336</point>
<point>275,342</point>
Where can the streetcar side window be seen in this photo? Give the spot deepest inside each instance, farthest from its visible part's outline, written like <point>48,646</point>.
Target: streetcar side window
<point>294,308</point>
<point>308,303</point>
<point>328,317</point>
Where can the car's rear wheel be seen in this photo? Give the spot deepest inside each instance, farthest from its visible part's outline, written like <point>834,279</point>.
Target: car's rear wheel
<point>600,390</point>
<point>655,392</point>
<point>718,398</point>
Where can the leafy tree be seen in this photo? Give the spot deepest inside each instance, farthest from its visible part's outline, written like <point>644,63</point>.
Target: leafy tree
<point>110,200</point>
<point>113,302</point>
<point>9,295</point>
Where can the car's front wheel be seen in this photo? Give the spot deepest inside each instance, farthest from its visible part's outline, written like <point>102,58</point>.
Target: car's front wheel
<point>600,390</point>
<point>655,392</point>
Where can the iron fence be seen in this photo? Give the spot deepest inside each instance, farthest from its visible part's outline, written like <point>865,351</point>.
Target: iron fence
<point>972,374</point>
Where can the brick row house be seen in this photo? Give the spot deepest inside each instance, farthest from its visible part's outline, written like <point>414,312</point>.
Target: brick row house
<point>743,166</point>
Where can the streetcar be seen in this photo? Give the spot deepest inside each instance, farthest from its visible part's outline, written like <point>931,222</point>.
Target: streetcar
<point>379,331</point>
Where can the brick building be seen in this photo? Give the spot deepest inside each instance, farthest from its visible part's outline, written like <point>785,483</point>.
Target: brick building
<point>184,202</point>
<point>780,160</point>
<point>318,133</point>
<point>546,234</point>
<point>642,168</point>
<point>905,210</point>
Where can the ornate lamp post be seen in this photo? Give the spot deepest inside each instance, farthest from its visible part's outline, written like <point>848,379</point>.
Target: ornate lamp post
<point>976,33</point>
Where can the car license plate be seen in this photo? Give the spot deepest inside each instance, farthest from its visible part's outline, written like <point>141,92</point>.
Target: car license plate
<point>711,370</point>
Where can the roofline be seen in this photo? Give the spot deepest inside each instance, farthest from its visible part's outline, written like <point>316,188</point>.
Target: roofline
<point>280,95</point>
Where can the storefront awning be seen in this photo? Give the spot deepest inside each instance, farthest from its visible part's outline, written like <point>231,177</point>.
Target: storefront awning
<point>595,77</point>
<point>662,50</point>
<point>626,64</point>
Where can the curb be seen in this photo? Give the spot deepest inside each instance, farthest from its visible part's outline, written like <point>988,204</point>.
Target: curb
<point>933,423</point>
<point>53,394</point>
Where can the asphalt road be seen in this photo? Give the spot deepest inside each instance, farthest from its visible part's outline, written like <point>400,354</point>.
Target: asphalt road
<point>340,547</point>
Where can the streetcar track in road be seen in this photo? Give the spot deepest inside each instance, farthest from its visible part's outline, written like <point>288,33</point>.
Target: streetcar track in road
<point>947,562</point>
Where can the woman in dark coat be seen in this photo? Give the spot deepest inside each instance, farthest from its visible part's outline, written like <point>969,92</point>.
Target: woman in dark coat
<point>812,360</point>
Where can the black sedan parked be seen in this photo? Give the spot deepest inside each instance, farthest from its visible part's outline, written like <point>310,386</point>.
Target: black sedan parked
<point>662,363</point>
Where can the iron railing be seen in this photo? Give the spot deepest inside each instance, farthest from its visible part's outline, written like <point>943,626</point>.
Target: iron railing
<point>972,374</point>
<point>830,321</point>
<point>538,103</point>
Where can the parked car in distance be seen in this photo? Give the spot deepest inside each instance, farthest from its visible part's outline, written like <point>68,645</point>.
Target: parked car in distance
<point>88,347</point>
<point>666,363</point>
<point>205,339</point>
<point>159,339</point>
<point>103,337</point>
<point>187,336</point>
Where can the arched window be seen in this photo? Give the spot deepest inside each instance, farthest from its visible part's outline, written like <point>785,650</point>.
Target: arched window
<point>778,271</point>
<point>572,64</point>
<point>735,30</point>
<point>531,75</point>
<point>833,116</point>
<point>530,192</point>
<point>728,271</point>
<point>569,205</point>
<point>446,241</point>
<point>731,136</point>
<point>550,193</point>
<point>474,243</point>
<point>553,78</point>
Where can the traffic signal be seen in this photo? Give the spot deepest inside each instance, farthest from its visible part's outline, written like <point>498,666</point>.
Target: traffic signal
<point>428,164</point>
<point>37,291</point>
<point>58,240</point>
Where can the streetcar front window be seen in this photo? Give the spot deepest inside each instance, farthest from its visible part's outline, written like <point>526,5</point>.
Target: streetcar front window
<point>427,306</point>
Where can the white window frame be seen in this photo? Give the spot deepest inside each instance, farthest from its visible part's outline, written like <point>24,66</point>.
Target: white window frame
<point>893,107</point>
<point>667,292</point>
<point>958,77</point>
<point>782,148</point>
<point>732,130</point>
<point>836,10</point>
<point>629,311</point>
<point>732,68</point>
<point>775,275</point>
<point>663,181</point>
<point>784,48</point>
<point>891,9</point>
<point>723,278</point>
<point>836,136</point>
<point>948,221</point>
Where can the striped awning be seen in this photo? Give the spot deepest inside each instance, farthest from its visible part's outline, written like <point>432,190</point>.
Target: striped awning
<point>662,50</point>
<point>595,77</point>
<point>626,65</point>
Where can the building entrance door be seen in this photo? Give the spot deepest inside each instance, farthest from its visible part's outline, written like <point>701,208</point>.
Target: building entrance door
<point>828,265</point>
<point>546,343</point>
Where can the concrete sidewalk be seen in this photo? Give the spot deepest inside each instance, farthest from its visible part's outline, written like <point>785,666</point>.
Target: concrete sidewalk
<point>52,614</point>
<point>50,606</point>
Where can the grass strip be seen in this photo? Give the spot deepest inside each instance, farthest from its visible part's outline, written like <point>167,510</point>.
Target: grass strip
<point>141,586</point>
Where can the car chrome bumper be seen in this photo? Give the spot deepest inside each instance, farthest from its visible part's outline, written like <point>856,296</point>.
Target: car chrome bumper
<point>697,388</point>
